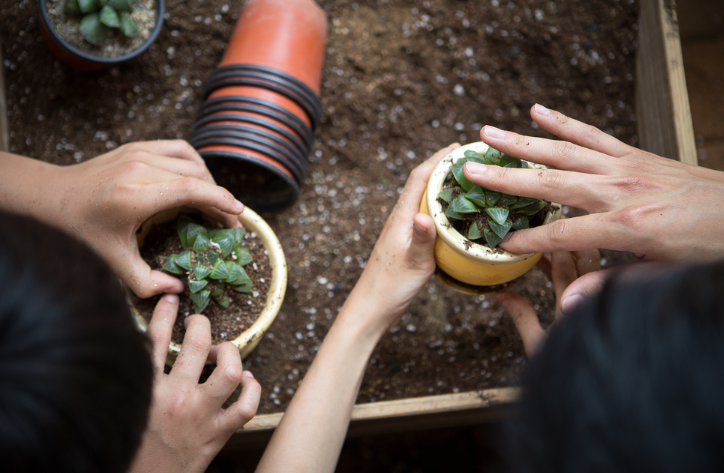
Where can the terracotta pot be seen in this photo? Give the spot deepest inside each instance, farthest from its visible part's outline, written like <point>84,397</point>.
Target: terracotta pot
<point>82,61</point>
<point>249,339</point>
<point>473,265</point>
<point>287,35</point>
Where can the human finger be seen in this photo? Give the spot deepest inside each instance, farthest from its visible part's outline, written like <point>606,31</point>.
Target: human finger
<point>525,319</point>
<point>582,288</point>
<point>558,154</point>
<point>139,276</point>
<point>194,350</point>
<point>181,167</point>
<point>563,274</point>
<point>578,132</point>
<point>186,191</point>
<point>586,191</point>
<point>587,261</point>
<point>227,374</point>
<point>244,409</point>
<point>160,329</point>
<point>544,264</point>
<point>226,220</point>
<point>421,251</point>
<point>172,148</point>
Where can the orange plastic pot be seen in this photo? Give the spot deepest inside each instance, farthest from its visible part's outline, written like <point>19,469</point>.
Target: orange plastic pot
<point>264,94</point>
<point>287,35</point>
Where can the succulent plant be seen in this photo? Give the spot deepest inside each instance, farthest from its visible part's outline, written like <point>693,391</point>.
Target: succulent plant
<point>102,15</point>
<point>486,215</point>
<point>213,261</point>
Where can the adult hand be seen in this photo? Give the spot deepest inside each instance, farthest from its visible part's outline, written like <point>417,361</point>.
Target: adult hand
<point>103,201</point>
<point>563,269</point>
<point>657,208</point>
<point>187,425</point>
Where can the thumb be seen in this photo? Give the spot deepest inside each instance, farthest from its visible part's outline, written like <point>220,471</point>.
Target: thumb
<point>146,282</point>
<point>421,251</point>
<point>584,287</point>
<point>525,319</point>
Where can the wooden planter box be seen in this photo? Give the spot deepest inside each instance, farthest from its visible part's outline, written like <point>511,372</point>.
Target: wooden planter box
<point>664,128</point>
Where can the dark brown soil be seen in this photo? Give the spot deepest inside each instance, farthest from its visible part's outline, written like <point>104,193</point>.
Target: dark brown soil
<point>402,79</point>
<point>226,324</point>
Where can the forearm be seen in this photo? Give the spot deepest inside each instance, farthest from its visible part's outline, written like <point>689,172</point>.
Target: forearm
<point>23,182</point>
<point>314,426</point>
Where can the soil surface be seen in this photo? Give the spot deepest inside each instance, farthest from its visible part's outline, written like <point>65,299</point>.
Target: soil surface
<point>402,79</point>
<point>226,324</point>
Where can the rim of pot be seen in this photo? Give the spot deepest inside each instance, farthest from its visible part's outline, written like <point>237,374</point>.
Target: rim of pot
<point>242,117</point>
<point>160,11</point>
<point>451,236</point>
<point>261,93</point>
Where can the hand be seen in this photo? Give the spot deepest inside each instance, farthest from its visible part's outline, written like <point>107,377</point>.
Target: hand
<point>402,260</point>
<point>187,425</point>
<point>563,269</point>
<point>104,201</point>
<point>657,208</point>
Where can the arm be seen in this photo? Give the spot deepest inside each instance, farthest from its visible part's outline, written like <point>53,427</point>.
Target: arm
<point>103,201</point>
<point>310,436</point>
<point>187,425</point>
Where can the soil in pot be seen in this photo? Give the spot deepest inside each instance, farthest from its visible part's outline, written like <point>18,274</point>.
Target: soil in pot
<point>68,27</point>
<point>227,323</point>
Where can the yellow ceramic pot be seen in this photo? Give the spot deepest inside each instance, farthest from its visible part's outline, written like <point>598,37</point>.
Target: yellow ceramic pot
<point>467,262</point>
<point>249,339</point>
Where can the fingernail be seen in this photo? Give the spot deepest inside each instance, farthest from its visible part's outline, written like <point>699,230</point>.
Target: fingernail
<point>541,110</point>
<point>171,298</point>
<point>247,374</point>
<point>492,132</point>
<point>570,303</point>
<point>475,169</point>
<point>239,206</point>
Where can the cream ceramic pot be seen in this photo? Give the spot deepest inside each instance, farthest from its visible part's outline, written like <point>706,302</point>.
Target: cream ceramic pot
<point>467,262</point>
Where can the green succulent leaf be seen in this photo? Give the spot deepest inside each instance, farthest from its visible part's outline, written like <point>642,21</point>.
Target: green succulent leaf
<point>446,195</point>
<point>196,286</point>
<point>237,275</point>
<point>182,226</point>
<point>509,162</point>
<point>532,208</point>
<point>500,230</point>
<point>213,257</point>
<point>243,256</point>
<point>506,199</point>
<point>523,202</point>
<point>474,157</point>
<point>492,156</point>
<point>238,234</point>
<point>498,214</point>
<point>184,260</point>
<point>128,26</point>
<point>71,7</point>
<point>171,265</point>
<point>462,205</point>
<point>89,6</point>
<point>201,271</point>
<point>219,272</point>
<point>219,291</point>
<point>225,242</point>
<point>450,213</point>
<point>109,17</point>
<point>474,232</point>
<point>121,5</point>
<point>202,242</point>
<point>223,302</point>
<point>521,224</point>
<point>243,284</point>
<point>457,170</point>
<point>193,230</point>
<point>492,197</point>
<point>200,300</point>
<point>491,238</point>
<point>93,30</point>
<point>477,195</point>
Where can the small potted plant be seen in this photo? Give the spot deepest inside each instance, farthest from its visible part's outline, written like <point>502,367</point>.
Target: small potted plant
<point>217,268</point>
<point>93,34</point>
<point>471,221</point>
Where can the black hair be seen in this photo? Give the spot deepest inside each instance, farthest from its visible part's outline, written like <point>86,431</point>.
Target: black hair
<point>75,372</point>
<point>631,381</point>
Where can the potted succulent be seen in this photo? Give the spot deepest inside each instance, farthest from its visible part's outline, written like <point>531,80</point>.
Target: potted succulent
<point>471,221</point>
<point>212,263</point>
<point>93,34</point>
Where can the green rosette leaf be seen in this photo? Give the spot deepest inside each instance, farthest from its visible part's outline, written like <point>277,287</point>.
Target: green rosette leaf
<point>492,197</point>
<point>218,291</point>
<point>506,199</point>
<point>474,232</point>
<point>533,208</point>
<point>225,242</point>
<point>219,272</point>
<point>500,230</point>
<point>201,242</point>
<point>238,234</point>
<point>492,156</point>
<point>213,257</point>
<point>509,162</point>
<point>128,26</point>
<point>457,170</point>
<point>446,195</point>
<point>498,214</point>
<point>201,271</point>
<point>491,238</point>
<point>243,256</point>
<point>72,8</point>
<point>521,224</point>
<point>89,6</point>
<point>184,260</point>
<point>200,300</point>
<point>523,202</point>
<point>243,284</point>
<point>171,265</point>
<point>182,226</point>
<point>121,5</point>
<point>93,30</point>
<point>235,272</point>
<point>223,302</point>
<point>474,157</point>
<point>196,286</point>
<point>193,230</point>
<point>477,195</point>
<point>109,17</point>
<point>462,205</point>
<point>450,213</point>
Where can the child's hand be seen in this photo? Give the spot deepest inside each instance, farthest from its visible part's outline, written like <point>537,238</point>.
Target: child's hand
<point>563,268</point>
<point>187,425</point>
<point>402,260</point>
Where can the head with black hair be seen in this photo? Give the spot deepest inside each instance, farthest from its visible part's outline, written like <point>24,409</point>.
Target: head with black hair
<point>631,381</point>
<point>75,373</point>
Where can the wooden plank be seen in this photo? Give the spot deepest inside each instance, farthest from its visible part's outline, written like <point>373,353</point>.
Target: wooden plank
<point>4,136</point>
<point>664,117</point>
